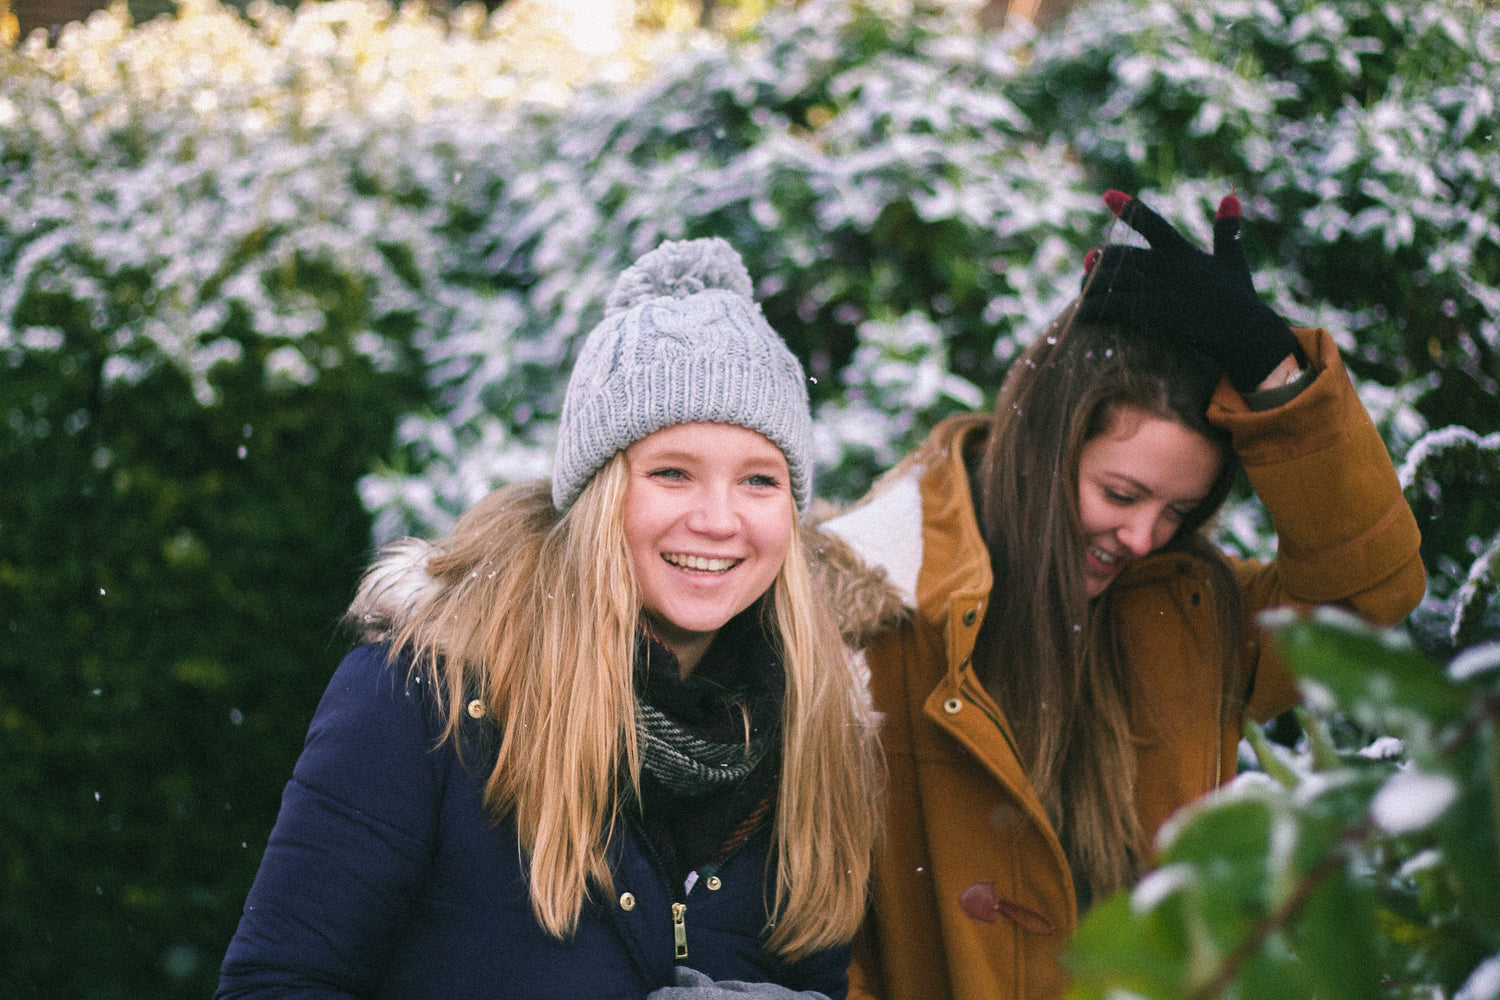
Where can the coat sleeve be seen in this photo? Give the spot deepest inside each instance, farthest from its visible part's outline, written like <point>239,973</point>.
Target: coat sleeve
<point>1345,534</point>
<point>350,847</point>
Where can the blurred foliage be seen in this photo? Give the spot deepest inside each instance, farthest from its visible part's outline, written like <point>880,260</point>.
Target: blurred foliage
<point>728,16</point>
<point>275,287</point>
<point>1366,869</point>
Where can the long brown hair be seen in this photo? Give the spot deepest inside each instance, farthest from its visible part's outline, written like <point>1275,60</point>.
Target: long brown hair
<point>539,612</point>
<point>1051,657</point>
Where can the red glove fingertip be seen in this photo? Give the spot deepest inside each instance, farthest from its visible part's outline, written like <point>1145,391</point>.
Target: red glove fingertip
<point>1229,208</point>
<point>1090,259</point>
<point>1116,200</point>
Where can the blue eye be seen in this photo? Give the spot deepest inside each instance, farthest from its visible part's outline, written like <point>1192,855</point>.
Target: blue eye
<point>767,482</point>
<point>668,473</point>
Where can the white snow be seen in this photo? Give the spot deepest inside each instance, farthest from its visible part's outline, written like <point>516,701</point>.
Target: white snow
<point>1411,800</point>
<point>1483,983</point>
<point>1474,661</point>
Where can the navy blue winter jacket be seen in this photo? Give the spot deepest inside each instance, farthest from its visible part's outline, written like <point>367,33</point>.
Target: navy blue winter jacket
<point>385,877</point>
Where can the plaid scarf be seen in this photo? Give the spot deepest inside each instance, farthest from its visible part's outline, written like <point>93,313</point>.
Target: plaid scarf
<point>711,731</point>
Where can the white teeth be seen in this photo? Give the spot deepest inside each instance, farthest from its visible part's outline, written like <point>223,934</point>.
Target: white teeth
<point>699,562</point>
<point>1103,556</point>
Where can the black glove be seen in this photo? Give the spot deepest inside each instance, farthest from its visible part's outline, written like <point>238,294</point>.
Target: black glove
<point>1207,302</point>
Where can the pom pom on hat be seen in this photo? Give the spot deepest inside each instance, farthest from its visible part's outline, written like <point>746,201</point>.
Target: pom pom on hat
<point>679,269</point>
<point>682,341</point>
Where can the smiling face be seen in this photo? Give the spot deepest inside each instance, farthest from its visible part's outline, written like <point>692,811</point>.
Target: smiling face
<point>709,516</point>
<point>1137,481</point>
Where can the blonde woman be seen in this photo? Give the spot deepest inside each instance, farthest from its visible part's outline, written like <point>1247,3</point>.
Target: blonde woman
<point>604,744</point>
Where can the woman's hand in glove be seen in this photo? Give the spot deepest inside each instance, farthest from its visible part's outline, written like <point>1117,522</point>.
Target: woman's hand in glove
<point>1203,300</point>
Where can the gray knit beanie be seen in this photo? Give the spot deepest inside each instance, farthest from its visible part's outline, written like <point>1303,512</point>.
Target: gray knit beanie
<point>681,341</point>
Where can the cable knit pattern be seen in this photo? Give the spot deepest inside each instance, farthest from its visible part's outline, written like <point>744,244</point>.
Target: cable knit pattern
<point>682,341</point>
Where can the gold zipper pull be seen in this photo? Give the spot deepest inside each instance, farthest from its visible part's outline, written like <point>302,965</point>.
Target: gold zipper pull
<point>679,928</point>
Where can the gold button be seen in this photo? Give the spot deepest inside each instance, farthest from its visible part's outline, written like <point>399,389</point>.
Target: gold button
<point>952,705</point>
<point>627,901</point>
<point>969,616</point>
<point>476,709</point>
<point>714,883</point>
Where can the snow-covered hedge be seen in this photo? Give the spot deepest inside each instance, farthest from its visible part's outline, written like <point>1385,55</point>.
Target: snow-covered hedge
<point>912,196</point>
<point>271,288</point>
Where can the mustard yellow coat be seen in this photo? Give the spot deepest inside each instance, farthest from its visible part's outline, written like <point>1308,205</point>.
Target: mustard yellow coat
<point>973,898</point>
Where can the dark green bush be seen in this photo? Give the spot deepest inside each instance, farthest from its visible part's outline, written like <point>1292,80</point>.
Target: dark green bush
<point>171,576</point>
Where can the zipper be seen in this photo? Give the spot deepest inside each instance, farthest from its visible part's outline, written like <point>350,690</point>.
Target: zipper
<point>1000,726</point>
<point>673,887</point>
<point>679,929</point>
<point>679,911</point>
<point>678,894</point>
<point>1219,743</point>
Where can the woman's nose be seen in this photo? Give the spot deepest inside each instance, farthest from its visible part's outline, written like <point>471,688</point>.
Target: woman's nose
<point>713,514</point>
<point>1139,533</point>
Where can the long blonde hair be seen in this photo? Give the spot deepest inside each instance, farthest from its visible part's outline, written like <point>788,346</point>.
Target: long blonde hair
<point>537,614</point>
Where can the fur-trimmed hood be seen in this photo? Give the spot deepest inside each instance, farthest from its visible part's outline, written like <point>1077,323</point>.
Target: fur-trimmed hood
<point>394,587</point>
<point>862,597</point>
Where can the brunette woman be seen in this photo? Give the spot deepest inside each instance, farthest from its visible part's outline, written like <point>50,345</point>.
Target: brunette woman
<point>1078,659</point>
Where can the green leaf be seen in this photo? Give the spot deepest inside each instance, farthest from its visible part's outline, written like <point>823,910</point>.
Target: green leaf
<point>1117,948</point>
<point>1362,672</point>
<point>1266,755</point>
<point>1336,937</point>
